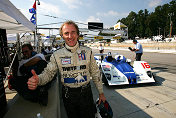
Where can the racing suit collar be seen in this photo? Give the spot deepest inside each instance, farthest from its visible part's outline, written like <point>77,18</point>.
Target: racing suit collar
<point>72,49</point>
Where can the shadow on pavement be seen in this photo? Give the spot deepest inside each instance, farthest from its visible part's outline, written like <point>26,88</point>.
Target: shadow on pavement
<point>122,107</point>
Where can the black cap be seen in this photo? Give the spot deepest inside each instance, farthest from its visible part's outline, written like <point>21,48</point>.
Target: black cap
<point>134,40</point>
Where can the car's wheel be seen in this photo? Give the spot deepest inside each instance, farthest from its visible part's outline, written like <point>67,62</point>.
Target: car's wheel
<point>154,77</point>
<point>105,81</point>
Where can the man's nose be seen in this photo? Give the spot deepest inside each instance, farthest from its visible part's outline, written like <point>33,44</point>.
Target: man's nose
<point>70,35</point>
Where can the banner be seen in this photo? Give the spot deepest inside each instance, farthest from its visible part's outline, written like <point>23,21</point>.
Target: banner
<point>33,11</point>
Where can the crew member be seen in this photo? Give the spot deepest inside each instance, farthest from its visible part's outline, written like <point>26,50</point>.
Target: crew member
<point>31,60</point>
<point>138,50</point>
<point>101,50</point>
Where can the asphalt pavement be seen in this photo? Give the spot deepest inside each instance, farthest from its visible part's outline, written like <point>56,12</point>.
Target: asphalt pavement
<point>155,100</point>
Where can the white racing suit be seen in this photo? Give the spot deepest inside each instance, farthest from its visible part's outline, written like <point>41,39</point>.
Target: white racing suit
<point>76,66</point>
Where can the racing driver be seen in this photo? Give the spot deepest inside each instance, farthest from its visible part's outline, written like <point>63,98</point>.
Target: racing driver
<point>76,65</point>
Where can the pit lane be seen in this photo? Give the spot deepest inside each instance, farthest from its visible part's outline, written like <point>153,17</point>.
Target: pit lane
<point>145,100</point>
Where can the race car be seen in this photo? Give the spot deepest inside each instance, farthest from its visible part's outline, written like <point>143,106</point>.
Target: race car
<point>119,71</point>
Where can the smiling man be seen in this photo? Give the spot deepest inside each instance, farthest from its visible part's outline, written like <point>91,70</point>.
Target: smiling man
<point>76,65</point>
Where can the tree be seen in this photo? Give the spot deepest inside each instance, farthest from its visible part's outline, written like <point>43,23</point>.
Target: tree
<point>130,21</point>
<point>145,24</point>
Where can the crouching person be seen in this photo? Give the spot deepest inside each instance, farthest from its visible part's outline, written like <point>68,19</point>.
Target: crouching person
<point>31,60</point>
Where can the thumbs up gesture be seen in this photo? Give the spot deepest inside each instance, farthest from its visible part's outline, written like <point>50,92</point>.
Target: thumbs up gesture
<point>33,81</point>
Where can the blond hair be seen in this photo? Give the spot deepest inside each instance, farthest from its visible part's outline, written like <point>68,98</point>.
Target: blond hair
<point>69,22</point>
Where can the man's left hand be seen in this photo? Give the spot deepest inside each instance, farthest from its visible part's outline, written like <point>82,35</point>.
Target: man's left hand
<point>101,98</point>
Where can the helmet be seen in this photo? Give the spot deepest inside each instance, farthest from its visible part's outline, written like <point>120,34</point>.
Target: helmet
<point>109,54</point>
<point>104,109</point>
<point>109,57</point>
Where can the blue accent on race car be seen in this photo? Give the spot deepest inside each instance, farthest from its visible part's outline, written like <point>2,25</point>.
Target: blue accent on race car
<point>72,80</point>
<point>123,67</point>
<point>95,58</point>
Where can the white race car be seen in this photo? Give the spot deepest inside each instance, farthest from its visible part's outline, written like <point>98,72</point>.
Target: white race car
<point>118,71</point>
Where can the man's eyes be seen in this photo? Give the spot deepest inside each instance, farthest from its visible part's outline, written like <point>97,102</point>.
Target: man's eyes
<point>67,33</point>
<point>74,32</point>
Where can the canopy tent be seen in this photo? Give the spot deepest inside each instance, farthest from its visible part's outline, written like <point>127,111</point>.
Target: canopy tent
<point>119,25</point>
<point>13,20</point>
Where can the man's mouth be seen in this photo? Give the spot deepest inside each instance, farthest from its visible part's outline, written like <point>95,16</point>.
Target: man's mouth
<point>70,40</point>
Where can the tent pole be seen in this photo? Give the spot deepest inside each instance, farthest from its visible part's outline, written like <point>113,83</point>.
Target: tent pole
<point>18,46</point>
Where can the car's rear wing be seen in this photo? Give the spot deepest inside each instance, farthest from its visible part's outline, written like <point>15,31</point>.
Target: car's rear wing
<point>104,54</point>
<point>101,54</point>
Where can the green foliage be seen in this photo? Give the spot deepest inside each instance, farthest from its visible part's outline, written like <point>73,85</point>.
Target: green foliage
<point>145,24</point>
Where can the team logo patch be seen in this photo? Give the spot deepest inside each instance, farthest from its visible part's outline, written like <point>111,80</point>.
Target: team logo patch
<point>66,61</point>
<point>82,55</point>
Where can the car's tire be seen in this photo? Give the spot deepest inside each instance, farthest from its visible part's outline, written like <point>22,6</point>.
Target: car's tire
<point>154,77</point>
<point>105,81</point>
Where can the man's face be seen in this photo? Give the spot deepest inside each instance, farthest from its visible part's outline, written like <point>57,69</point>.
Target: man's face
<point>70,34</point>
<point>26,52</point>
<point>134,42</point>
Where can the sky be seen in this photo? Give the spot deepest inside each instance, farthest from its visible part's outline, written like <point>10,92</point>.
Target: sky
<point>107,12</point>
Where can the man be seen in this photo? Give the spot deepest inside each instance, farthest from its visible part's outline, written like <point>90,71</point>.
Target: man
<point>138,50</point>
<point>101,50</point>
<point>76,64</point>
<point>31,60</point>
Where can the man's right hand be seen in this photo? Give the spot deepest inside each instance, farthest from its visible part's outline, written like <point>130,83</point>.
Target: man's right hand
<point>33,81</point>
